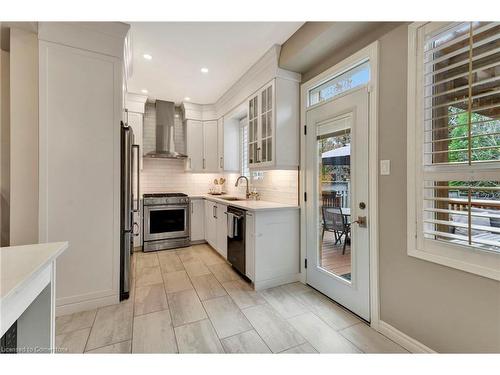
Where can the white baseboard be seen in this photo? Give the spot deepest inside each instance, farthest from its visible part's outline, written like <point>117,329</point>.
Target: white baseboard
<point>91,304</point>
<point>407,342</point>
<point>269,283</point>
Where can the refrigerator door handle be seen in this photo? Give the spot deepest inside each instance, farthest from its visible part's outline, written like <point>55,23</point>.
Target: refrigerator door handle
<point>137,160</point>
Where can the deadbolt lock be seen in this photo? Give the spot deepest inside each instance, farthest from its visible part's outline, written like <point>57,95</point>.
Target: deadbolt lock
<point>362,205</point>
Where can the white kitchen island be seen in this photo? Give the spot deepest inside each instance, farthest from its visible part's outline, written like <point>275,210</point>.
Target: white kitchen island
<point>27,294</point>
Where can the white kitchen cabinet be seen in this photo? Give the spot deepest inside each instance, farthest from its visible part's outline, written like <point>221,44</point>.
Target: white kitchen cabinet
<point>250,246</point>
<point>202,146</point>
<point>273,126</point>
<point>210,147</point>
<point>272,247</point>
<point>194,145</point>
<point>210,223</point>
<point>221,217</point>
<point>216,226</point>
<point>220,143</point>
<point>197,220</point>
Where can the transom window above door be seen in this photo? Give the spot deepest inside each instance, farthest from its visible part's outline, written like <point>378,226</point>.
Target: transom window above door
<point>454,145</point>
<point>356,76</point>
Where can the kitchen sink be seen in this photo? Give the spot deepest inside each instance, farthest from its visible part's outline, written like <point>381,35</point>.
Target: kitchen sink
<point>232,198</point>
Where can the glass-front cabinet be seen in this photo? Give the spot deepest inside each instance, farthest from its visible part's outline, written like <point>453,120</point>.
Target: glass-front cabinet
<point>261,127</point>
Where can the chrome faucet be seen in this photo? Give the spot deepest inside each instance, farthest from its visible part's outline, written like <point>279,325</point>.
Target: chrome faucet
<point>248,190</point>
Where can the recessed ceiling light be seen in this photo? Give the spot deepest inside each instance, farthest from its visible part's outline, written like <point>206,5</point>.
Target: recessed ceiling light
<point>204,70</point>
<point>147,56</point>
<point>144,91</point>
<point>187,98</point>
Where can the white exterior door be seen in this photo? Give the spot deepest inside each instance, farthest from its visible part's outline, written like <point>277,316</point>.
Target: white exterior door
<point>337,200</point>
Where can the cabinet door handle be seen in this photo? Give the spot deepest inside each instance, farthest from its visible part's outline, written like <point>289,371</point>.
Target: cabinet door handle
<point>189,161</point>
<point>204,164</point>
<point>221,163</point>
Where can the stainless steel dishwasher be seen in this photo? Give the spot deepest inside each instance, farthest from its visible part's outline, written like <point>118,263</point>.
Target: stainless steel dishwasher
<point>236,238</point>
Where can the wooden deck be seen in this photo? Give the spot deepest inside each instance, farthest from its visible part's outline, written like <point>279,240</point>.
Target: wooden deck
<point>332,259</point>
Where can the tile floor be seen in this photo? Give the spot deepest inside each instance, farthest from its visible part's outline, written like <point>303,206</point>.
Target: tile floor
<point>191,301</point>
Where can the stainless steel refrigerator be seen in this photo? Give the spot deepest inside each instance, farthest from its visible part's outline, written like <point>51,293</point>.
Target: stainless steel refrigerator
<point>127,209</point>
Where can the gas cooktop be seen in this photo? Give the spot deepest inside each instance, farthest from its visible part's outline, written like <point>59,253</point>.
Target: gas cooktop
<point>164,195</point>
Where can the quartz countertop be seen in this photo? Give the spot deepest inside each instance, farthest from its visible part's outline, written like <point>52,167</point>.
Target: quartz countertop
<point>18,264</point>
<point>250,205</point>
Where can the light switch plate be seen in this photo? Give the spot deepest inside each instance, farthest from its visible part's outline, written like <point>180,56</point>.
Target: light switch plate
<point>385,167</point>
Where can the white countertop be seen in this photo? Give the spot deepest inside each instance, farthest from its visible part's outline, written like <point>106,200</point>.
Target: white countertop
<point>18,264</point>
<point>251,205</point>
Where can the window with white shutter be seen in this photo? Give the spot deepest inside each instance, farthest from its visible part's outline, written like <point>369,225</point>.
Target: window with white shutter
<point>454,145</point>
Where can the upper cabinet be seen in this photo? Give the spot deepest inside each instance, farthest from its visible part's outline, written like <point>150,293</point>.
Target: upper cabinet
<point>201,146</point>
<point>273,126</point>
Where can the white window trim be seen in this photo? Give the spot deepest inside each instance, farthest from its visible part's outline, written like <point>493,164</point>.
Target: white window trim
<point>464,258</point>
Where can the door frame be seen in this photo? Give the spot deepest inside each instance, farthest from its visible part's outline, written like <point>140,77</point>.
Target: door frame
<point>370,53</point>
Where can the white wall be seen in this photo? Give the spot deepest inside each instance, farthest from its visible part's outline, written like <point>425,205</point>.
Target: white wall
<point>23,137</point>
<point>4,148</point>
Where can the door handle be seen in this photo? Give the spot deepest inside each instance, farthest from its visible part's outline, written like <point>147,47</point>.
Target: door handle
<point>203,163</point>
<point>361,221</point>
<point>221,163</point>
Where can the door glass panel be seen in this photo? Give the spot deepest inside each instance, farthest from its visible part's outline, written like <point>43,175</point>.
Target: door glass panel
<point>357,76</point>
<point>334,185</point>
<point>264,152</point>
<point>269,149</point>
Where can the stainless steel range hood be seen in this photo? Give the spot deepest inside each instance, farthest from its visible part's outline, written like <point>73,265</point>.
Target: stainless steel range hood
<point>165,147</point>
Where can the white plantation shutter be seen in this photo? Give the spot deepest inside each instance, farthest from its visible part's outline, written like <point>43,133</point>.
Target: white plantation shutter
<point>245,171</point>
<point>457,138</point>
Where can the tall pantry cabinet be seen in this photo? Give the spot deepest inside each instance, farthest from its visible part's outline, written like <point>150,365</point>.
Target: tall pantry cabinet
<point>80,108</point>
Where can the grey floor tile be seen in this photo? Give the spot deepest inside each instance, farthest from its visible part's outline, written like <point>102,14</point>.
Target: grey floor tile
<point>76,321</point>
<point>124,347</point>
<point>224,272</point>
<point>148,276</point>
<point>246,342</point>
<point>330,312</point>
<point>177,282</point>
<point>149,299</point>
<point>283,302</point>
<point>321,336</point>
<point>198,337</point>
<point>276,332</point>
<point>226,317</point>
<point>208,287</point>
<point>297,287</point>
<point>170,261</point>
<point>196,268</point>
<point>369,340</point>
<point>153,333</point>
<point>187,254</point>
<point>112,324</point>
<point>72,342</point>
<point>146,260</point>
<point>243,294</point>
<point>185,307</point>
<point>301,349</point>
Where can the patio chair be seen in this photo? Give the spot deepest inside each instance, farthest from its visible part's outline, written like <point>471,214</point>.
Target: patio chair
<point>334,221</point>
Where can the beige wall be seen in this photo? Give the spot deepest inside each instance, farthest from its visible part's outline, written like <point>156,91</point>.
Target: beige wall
<point>444,308</point>
<point>4,148</point>
<point>24,137</point>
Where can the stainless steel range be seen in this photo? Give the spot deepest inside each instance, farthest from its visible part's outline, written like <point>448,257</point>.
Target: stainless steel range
<point>166,221</point>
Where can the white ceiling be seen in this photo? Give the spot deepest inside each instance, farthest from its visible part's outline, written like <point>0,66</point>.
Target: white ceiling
<point>181,49</point>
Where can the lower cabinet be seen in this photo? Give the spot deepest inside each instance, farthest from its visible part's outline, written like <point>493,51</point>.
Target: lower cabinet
<point>216,226</point>
<point>221,241</point>
<point>197,220</point>
<point>272,247</point>
<point>210,223</point>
